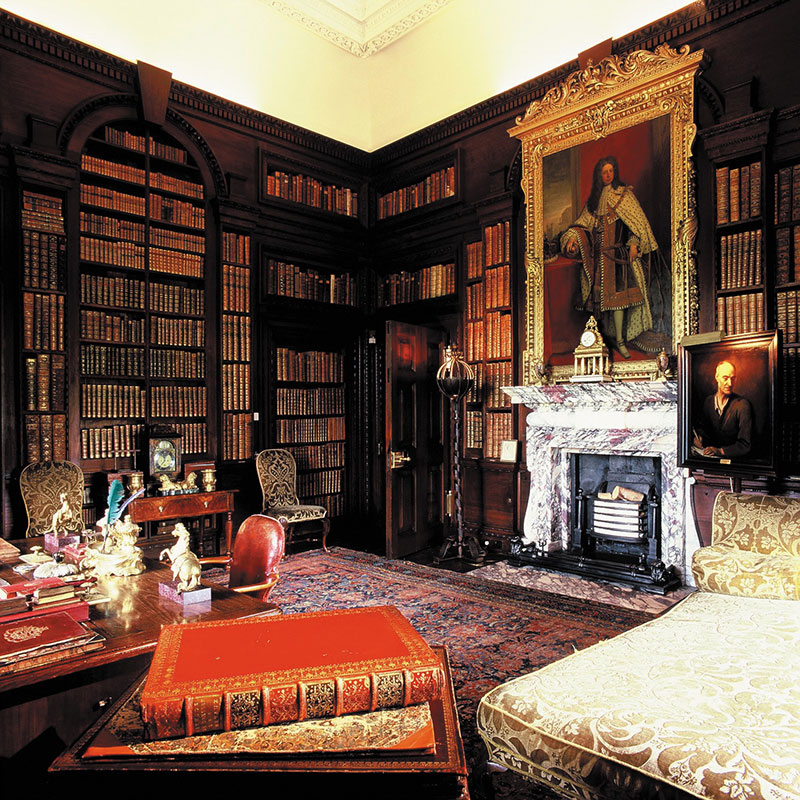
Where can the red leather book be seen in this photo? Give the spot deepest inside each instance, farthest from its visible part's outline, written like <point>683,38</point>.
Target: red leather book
<point>213,676</point>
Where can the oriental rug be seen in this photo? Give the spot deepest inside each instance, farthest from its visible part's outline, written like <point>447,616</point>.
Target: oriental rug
<point>493,631</point>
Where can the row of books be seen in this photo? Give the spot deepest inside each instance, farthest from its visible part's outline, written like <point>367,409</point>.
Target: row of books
<point>791,376</point>
<point>102,360</point>
<point>178,401</point>
<point>112,253</point>
<point>309,366</point>
<point>499,427</point>
<point>787,314</point>
<point>438,185</point>
<point>46,437</point>
<point>473,301</point>
<point>787,194</point>
<point>235,288</point>
<point>105,197</point>
<point>114,291</point>
<point>497,243</point>
<point>169,183</point>
<point>123,138</point>
<point>740,313</point>
<point>170,298</point>
<point>177,364</point>
<point>473,430</point>
<point>177,212</point>
<point>112,169</point>
<point>114,227</point>
<point>42,212</point>
<point>236,387</point>
<point>787,254</point>
<point>119,328</point>
<point>740,259</point>
<point>111,441</point>
<point>167,151</point>
<point>407,287</point>
<point>44,260</point>
<point>112,401</point>
<point>178,240</point>
<point>237,436</point>
<point>194,437</point>
<point>236,341</point>
<point>318,401</point>
<point>325,482</point>
<point>475,393</point>
<point>46,382</point>
<point>235,248</point>
<point>289,280</point>
<point>789,450</point>
<point>176,262</point>
<point>312,192</point>
<point>497,282</point>
<point>488,338</point>
<point>177,332</point>
<point>738,192</point>
<point>310,430</point>
<point>42,321</point>
<point>310,456</point>
<point>498,374</point>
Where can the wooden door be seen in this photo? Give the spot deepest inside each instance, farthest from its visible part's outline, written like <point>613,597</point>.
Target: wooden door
<point>414,439</point>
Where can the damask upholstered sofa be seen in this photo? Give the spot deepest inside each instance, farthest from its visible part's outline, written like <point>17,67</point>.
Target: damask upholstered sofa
<point>703,701</point>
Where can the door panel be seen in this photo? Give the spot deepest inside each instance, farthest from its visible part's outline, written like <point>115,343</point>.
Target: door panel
<point>414,449</point>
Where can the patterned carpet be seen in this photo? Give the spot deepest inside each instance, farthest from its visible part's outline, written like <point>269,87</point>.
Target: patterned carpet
<point>493,631</point>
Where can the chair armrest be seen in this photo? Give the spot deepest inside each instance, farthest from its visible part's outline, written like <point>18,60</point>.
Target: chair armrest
<point>265,587</point>
<point>214,560</point>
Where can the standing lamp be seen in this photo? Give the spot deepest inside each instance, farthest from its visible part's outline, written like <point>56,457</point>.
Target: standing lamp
<point>454,379</point>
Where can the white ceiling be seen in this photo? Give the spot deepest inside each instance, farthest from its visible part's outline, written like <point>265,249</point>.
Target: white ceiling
<point>303,60</point>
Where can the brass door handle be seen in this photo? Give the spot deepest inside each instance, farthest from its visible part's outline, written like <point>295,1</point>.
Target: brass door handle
<point>398,458</point>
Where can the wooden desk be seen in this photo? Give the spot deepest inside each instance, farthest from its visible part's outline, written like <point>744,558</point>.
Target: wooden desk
<point>385,775</point>
<point>58,701</point>
<point>181,506</point>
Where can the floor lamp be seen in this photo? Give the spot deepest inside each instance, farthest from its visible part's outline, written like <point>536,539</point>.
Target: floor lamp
<point>454,379</point>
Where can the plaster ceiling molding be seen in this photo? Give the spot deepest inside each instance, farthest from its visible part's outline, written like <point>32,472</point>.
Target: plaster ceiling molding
<point>361,27</point>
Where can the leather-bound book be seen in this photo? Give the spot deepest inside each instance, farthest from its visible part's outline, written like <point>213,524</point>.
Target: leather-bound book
<point>214,676</point>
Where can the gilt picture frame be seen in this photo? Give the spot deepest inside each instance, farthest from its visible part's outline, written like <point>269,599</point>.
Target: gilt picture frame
<point>727,401</point>
<point>638,108</point>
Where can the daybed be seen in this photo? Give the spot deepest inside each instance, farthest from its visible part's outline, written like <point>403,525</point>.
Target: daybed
<point>701,702</point>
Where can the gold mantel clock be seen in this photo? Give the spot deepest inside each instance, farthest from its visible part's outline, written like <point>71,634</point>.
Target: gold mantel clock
<point>592,363</point>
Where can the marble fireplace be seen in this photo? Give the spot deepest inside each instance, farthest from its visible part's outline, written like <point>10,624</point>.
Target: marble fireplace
<point>619,418</point>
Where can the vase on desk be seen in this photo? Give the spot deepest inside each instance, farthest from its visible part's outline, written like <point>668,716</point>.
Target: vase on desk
<point>209,479</point>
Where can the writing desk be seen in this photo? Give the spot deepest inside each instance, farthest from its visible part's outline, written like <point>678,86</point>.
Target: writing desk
<point>181,506</point>
<point>49,706</point>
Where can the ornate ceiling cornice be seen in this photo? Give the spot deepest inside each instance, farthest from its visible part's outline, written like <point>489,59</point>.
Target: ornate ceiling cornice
<point>355,28</point>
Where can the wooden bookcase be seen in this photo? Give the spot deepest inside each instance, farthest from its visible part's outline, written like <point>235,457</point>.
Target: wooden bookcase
<point>44,330</point>
<point>310,421</point>
<point>236,347</point>
<point>426,185</point>
<point>143,356</point>
<point>283,279</point>
<point>786,235</point>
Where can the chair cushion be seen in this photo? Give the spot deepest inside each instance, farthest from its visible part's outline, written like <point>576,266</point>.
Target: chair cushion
<point>728,570</point>
<point>299,513</point>
<point>757,522</point>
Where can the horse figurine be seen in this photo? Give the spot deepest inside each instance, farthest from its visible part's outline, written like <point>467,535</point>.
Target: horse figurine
<point>185,565</point>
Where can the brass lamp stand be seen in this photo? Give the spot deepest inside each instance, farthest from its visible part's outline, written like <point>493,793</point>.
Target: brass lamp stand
<point>454,379</point>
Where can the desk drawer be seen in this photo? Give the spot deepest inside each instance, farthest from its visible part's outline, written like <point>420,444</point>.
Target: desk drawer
<point>149,509</point>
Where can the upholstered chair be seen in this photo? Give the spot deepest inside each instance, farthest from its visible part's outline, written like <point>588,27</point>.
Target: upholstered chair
<point>277,474</point>
<point>53,495</point>
<point>257,551</point>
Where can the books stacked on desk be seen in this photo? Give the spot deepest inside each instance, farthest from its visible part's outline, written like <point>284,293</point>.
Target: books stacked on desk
<point>35,641</point>
<point>222,676</point>
<point>39,596</point>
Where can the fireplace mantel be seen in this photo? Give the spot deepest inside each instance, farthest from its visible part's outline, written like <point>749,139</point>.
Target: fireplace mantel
<point>631,418</point>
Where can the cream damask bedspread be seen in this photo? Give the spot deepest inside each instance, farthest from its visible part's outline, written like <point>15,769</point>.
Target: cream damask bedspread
<point>704,702</point>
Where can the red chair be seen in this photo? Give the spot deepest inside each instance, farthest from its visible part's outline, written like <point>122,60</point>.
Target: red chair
<point>257,550</point>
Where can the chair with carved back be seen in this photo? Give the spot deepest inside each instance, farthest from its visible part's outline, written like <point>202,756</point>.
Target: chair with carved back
<point>53,495</point>
<point>257,551</point>
<point>277,474</point>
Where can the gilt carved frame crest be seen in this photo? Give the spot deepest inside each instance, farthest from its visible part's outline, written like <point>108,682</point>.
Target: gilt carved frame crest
<point>637,91</point>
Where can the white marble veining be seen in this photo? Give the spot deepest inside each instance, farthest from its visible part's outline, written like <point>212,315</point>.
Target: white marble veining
<point>634,418</point>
